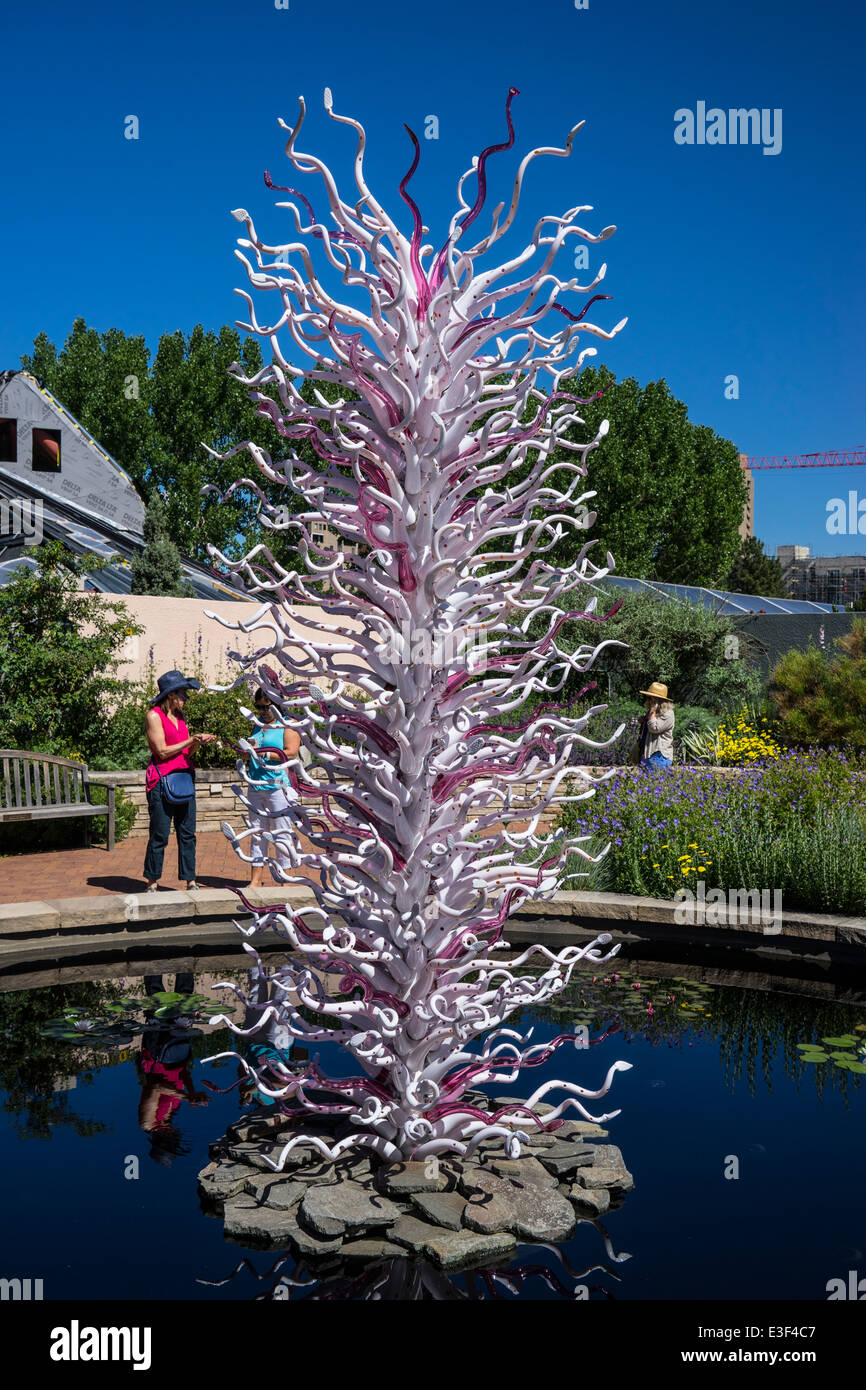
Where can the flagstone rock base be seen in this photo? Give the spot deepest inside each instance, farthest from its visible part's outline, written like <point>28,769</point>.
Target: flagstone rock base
<point>454,1212</point>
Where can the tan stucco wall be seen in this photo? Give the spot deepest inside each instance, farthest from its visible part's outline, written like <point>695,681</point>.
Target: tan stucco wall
<point>178,632</point>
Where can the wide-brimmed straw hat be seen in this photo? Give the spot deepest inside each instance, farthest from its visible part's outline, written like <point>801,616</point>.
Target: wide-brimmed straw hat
<point>657,691</point>
<point>171,681</point>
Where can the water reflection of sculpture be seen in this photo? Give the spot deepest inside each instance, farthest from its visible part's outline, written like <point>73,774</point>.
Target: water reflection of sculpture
<point>430,453</point>
<point>418,1279</point>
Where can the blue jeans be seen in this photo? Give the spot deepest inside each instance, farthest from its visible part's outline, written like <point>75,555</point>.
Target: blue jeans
<point>657,760</point>
<point>161,817</point>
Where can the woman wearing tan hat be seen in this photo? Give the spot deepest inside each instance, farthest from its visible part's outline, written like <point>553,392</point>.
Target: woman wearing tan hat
<point>657,728</point>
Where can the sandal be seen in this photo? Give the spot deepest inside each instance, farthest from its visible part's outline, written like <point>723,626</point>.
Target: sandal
<point>152,888</point>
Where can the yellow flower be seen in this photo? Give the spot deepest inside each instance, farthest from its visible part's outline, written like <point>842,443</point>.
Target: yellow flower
<point>702,868</point>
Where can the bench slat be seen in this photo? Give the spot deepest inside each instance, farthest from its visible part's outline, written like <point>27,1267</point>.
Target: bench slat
<point>56,770</point>
<point>36,769</point>
<point>16,773</point>
<point>50,812</point>
<point>6,788</point>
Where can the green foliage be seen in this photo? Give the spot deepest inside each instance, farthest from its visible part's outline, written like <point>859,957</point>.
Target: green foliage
<point>59,651</point>
<point>218,712</point>
<point>797,825</point>
<point>124,813</point>
<point>820,699</point>
<point>754,572</point>
<point>670,494</point>
<point>125,746</point>
<point>157,568</point>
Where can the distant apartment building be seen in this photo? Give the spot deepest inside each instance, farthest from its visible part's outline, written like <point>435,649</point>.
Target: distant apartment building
<point>838,579</point>
<point>747,525</point>
<point>325,535</point>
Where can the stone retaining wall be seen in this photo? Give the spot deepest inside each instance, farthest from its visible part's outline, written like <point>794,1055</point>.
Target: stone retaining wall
<point>215,800</point>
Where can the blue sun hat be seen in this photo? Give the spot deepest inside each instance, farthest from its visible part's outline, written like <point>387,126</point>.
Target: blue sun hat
<point>171,681</point>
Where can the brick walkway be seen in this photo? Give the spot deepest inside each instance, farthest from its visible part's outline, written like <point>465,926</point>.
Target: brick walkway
<point>84,873</point>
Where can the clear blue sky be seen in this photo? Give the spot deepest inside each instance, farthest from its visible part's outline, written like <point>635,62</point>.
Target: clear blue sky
<point>727,260</point>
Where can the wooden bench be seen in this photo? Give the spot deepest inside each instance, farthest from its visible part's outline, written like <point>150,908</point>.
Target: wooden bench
<point>38,786</point>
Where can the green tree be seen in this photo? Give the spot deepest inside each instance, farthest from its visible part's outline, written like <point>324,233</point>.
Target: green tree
<point>59,650</point>
<point>669,494</point>
<point>754,572</point>
<point>157,568</point>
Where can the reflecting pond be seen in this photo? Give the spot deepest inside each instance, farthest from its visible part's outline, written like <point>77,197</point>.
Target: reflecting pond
<point>742,1122</point>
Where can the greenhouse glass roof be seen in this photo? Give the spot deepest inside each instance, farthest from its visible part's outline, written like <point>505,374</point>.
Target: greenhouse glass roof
<point>719,599</point>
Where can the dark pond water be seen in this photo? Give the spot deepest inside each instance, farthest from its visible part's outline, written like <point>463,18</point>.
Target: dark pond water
<point>718,1087</point>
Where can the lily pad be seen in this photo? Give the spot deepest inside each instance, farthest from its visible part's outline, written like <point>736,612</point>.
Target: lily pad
<point>847,1040</point>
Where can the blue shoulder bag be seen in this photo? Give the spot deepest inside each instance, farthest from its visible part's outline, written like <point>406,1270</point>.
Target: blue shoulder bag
<point>177,787</point>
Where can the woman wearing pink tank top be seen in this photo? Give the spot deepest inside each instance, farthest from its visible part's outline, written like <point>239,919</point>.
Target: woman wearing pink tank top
<point>171,745</point>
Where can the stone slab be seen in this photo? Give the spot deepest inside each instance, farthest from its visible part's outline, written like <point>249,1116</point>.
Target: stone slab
<point>452,1249</point>
<point>536,1213</point>
<point>593,1200</point>
<point>412,1233</point>
<point>28,919</point>
<point>403,1179</point>
<point>247,1220</point>
<point>523,1170</point>
<point>332,1209</point>
<point>279,1193</point>
<point>218,1181</point>
<point>441,1208</point>
<point>372,1250</point>
<point>101,912</point>
<point>567,1159</point>
<point>158,907</point>
<point>598,1176</point>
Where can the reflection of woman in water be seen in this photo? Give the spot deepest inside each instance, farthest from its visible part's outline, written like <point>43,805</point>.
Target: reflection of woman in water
<point>163,1068</point>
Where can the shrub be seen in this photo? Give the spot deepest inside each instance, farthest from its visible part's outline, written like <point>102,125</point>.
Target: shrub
<point>59,651</point>
<point>125,746</point>
<point>822,700</point>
